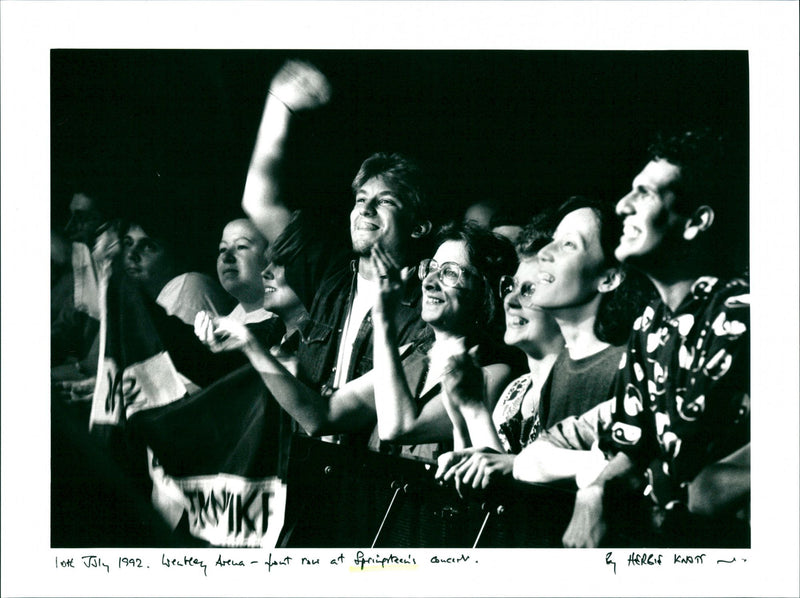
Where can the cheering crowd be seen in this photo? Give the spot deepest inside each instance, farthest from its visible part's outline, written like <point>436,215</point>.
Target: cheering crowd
<point>605,346</point>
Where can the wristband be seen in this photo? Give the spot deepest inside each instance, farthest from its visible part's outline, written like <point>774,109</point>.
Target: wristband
<point>277,97</point>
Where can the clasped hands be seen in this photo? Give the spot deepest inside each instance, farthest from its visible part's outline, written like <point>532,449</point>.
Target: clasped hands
<point>474,467</point>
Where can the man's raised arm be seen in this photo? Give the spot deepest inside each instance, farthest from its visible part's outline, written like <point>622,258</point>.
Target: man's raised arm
<point>297,86</point>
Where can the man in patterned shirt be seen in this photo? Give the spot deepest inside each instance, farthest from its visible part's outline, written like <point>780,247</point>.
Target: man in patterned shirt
<point>680,429</point>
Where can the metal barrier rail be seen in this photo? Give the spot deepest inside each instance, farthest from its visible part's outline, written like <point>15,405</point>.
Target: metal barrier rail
<point>341,496</point>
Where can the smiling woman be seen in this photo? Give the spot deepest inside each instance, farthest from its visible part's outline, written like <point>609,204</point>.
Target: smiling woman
<point>449,301</point>
<point>494,438</point>
<point>594,300</point>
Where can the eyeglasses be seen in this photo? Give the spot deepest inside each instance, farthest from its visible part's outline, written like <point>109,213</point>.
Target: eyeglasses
<point>525,290</point>
<point>449,273</point>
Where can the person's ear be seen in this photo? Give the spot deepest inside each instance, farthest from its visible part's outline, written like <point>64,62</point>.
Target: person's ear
<point>610,280</point>
<point>700,221</point>
<point>421,228</point>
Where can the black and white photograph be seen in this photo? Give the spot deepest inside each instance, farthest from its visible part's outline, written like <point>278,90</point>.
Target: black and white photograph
<point>154,147</point>
<point>390,312</point>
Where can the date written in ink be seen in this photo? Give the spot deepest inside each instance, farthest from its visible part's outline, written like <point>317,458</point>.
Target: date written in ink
<point>91,561</point>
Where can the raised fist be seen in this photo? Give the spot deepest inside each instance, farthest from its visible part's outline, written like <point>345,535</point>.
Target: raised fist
<point>300,86</point>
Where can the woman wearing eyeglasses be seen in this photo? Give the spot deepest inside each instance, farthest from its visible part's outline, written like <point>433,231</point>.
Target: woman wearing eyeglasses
<point>515,421</point>
<point>577,282</point>
<point>402,394</point>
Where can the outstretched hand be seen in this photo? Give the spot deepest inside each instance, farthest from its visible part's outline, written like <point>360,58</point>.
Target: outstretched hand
<point>299,85</point>
<point>220,333</point>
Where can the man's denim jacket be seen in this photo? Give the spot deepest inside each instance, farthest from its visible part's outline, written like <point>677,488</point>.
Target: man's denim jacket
<point>322,330</point>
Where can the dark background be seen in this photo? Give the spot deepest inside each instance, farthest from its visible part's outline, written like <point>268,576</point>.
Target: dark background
<point>170,133</point>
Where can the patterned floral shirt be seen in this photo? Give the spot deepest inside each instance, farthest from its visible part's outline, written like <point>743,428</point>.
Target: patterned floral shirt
<point>683,390</point>
<point>516,432</point>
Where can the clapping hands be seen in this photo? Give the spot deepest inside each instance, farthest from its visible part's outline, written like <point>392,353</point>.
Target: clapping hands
<point>391,280</point>
<point>463,380</point>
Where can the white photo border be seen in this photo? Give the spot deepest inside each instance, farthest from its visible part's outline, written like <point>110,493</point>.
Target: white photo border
<point>767,30</point>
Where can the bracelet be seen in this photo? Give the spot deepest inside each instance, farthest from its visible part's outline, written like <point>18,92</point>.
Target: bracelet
<point>281,101</point>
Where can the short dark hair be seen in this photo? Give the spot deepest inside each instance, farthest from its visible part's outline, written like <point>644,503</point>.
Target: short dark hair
<point>708,168</point>
<point>536,234</point>
<point>511,213</point>
<point>713,172</point>
<point>176,252</point>
<point>403,174</point>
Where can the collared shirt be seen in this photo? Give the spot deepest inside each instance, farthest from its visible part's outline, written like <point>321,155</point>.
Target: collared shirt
<point>683,390</point>
<point>250,317</point>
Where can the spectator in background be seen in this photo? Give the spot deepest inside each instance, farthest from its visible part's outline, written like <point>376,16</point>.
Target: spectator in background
<point>507,218</point>
<point>155,263</point>
<point>481,213</point>
<point>87,215</point>
<point>511,231</point>
<point>510,220</point>
<point>74,308</point>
